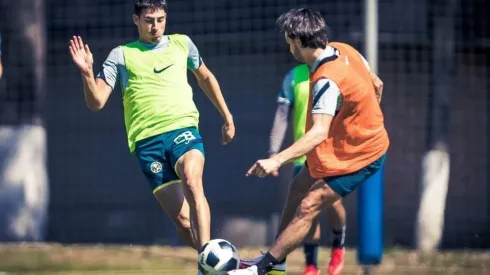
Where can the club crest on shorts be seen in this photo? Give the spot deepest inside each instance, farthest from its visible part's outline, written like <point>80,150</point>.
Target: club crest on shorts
<point>156,167</point>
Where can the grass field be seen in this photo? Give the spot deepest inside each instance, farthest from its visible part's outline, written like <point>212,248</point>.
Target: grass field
<point>153,260</point>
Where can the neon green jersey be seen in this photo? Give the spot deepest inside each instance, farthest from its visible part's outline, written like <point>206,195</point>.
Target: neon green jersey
<point>158,97</point>
<point>301,91</point>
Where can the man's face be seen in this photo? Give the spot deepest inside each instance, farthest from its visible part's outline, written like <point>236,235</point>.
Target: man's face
<point>151,24</point>
<point>294,47</point>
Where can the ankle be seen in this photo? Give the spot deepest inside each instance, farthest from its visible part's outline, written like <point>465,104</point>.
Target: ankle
<point>338,237</point>
<point>311,254</point>
<point>266,263</point>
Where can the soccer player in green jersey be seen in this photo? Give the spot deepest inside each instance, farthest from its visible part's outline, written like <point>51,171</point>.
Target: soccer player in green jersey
<point>159,112</point>
<point>294,97</point>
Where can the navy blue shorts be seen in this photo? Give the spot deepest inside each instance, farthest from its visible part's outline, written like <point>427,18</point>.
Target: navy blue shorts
<point>158,155</point>
<point>343,185</point>
<point>296,168</point>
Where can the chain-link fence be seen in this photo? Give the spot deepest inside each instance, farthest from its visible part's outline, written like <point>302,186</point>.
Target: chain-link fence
<point>97,192</point>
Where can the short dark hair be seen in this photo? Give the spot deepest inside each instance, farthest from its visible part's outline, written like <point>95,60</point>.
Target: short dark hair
<point>306,25</point>
<point>140,5</point>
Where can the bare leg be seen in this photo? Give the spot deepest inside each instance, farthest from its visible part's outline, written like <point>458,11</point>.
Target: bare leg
<point>319,197</point>
<point>173,202</point>
<point>298,188</point>
<point>190,169</point>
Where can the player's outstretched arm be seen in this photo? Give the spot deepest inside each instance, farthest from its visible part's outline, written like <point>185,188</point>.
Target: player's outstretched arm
<point>378,85</point>
<point>312,138</point>
<point>208,83</point>
<point>96,91</point>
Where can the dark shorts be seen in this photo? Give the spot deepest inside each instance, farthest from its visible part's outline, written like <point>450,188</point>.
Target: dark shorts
<point>296,168</point>
<point>343,185</point>
<point>158,155</point>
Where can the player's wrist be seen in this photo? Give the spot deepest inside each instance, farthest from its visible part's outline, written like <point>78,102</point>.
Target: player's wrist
<point>89,72</point>
<point>229,120</point>
<point>280,159</point>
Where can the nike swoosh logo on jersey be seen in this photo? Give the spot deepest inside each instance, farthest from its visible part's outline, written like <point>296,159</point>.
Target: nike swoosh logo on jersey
<point>160,71</point>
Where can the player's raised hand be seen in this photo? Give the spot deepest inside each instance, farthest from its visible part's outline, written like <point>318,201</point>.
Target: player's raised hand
<point>264,167</point>
<point>81,55</point>
<point>228,132</point>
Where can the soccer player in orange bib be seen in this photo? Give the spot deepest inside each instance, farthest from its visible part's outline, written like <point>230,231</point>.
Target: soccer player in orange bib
<point>345,141</point>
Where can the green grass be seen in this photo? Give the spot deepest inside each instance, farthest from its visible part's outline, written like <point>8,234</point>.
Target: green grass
<point>153,260</point>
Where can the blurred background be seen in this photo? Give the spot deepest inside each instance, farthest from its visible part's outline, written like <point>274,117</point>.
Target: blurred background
<point>66,175</point>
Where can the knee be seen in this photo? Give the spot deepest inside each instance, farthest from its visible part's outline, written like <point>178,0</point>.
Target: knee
<point>193,185</point>
<point>297,191</point>
<point>335,206</point>
<point>309,208</point>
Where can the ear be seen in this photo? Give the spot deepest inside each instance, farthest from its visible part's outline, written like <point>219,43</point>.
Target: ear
<point>135,19</point>
<point>298,43</point>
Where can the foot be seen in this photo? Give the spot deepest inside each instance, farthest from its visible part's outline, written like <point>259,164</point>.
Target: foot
<point>251,270</point>
<point>336,264</point>
<point>311,270</point>
<point>244,263</point>
<point>279,269</point>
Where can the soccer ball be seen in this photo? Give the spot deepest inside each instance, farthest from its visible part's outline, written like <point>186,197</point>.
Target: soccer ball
<point>218,257</point>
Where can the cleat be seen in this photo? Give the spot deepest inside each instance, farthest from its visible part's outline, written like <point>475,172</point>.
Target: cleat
<point>279,269</point>
<point>251,270</point>
<point>336,264</point>
<point>311,270</point>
